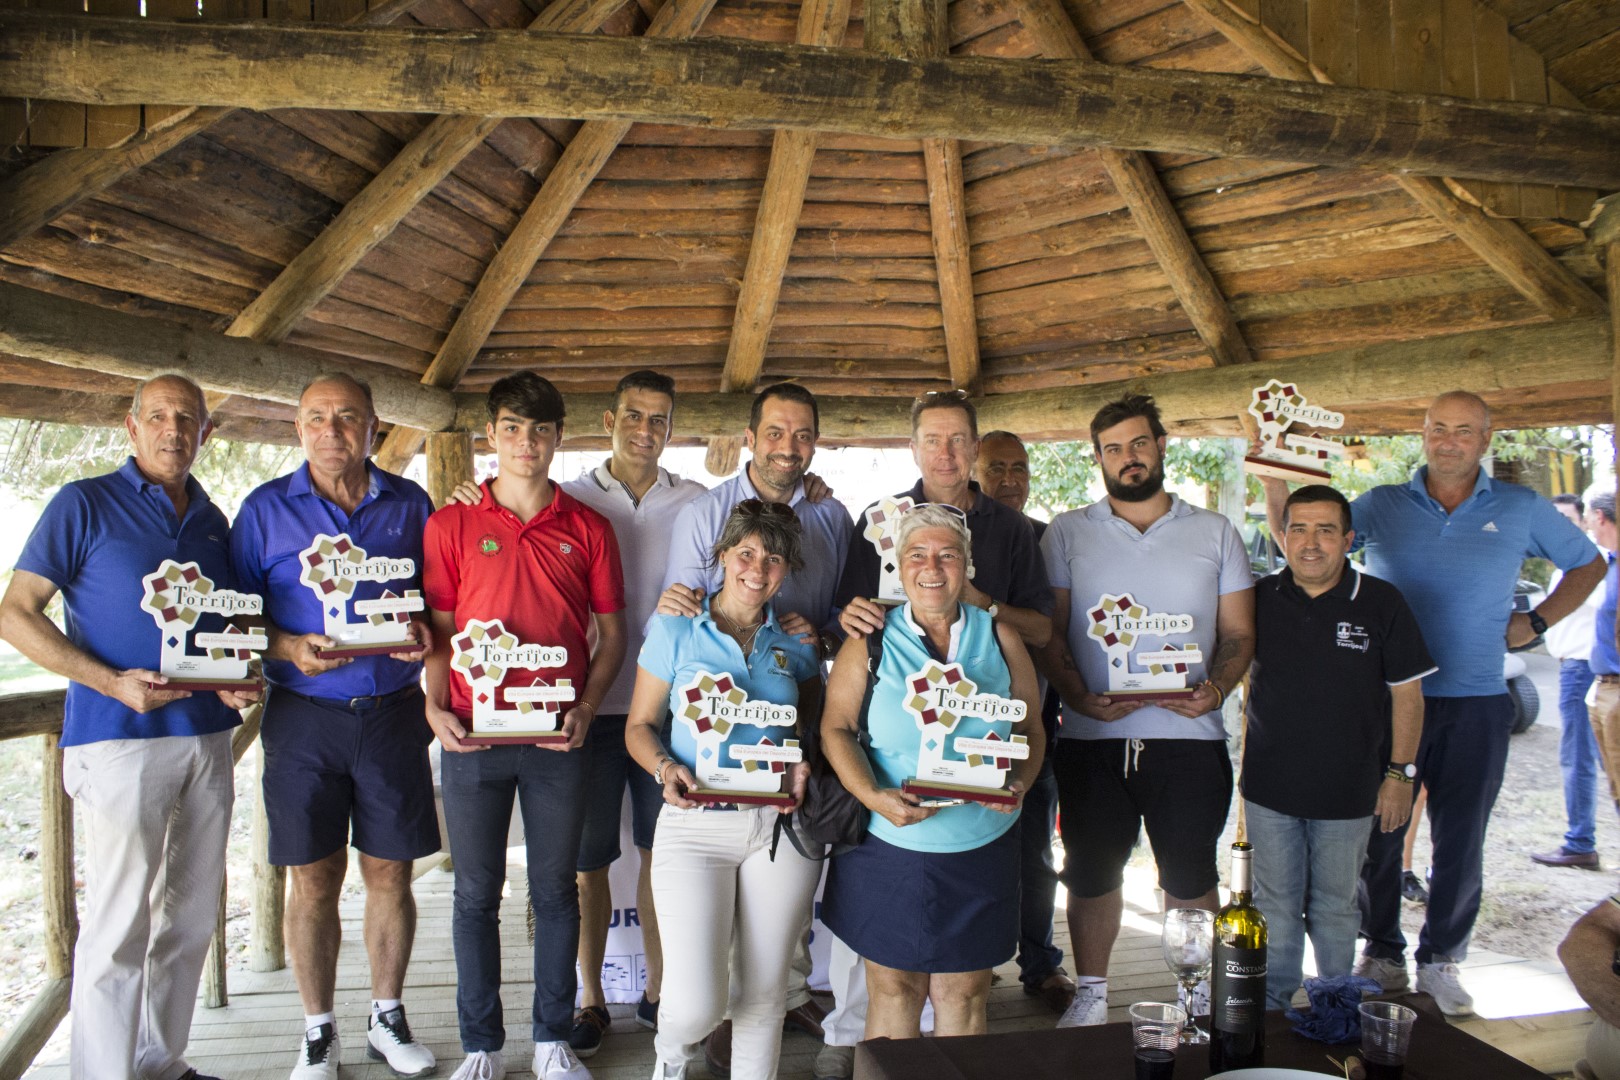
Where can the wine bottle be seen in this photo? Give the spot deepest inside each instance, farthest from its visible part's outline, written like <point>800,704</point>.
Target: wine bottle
<point>1238,986</point>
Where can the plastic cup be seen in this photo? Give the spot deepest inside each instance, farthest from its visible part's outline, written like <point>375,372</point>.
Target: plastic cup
<point>1156,1032</point>
<point>1386,1031</point>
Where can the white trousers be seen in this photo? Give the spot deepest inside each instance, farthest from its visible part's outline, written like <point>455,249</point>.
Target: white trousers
<point>156,814</point>
<point>729,918</point>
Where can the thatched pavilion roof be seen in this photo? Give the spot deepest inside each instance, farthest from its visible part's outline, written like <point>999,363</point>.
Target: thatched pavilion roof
<point>867,218</point>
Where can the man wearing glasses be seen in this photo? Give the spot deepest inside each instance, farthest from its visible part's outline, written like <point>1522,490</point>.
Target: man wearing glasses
<point>1007,579</point>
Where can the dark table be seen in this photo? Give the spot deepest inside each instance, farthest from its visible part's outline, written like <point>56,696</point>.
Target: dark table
<point>1438,1052</point>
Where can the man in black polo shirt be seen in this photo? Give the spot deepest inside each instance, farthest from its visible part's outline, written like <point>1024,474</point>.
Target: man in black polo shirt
<point>1334,717</point>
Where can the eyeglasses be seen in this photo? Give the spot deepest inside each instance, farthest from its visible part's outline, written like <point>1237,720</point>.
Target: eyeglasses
<point>759,508</point>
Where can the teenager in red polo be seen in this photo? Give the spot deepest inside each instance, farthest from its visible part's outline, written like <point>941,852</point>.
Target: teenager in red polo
<point>547,566</point>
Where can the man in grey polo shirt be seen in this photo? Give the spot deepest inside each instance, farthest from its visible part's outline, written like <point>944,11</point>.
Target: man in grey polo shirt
<point>1121,764</point>
<point>783,426</point>
<point>639,498</point>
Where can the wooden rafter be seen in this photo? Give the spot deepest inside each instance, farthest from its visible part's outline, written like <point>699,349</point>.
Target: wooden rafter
<point>919,30</point>
<point>1134,177</point>
<point>369,217</point>
<point>727,82</point>
<point>587,152</point>
<point>1503,244</point>
<point>42,192</point>
<point>821,22</point>
<point>1569,361</point>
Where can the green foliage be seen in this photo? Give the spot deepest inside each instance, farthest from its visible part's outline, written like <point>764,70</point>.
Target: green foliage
<point>1064,475</point>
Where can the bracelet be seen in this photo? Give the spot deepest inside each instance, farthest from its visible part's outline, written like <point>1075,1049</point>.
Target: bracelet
<point>1220,695</point>
<point>658,769</point>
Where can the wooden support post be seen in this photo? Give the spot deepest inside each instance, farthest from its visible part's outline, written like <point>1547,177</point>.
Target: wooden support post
<point>449,462</point>
<point>56,866</point>
<point>725,451</point>
<point>1605,238</point>
<point>215,993</point>
<point>267,947</point>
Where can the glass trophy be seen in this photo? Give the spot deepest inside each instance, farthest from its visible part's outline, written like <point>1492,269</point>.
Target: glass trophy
<point>1118,625</point>
<point>1302,459</point>
<point>177,595</point>
<point>744,747</point>
<point>950,763</point>
<point>332,567</point>
<point>511,706</point>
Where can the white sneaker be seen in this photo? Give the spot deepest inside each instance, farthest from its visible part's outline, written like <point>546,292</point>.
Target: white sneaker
<point>669,1072</point>
<point>1088,1009</point>
<point>482,1065</point>
<point>1390,974</point>
<point>556,1061</point>
<point>1440,982</point>
<point>318,1057</point>
<point>388,1038</point>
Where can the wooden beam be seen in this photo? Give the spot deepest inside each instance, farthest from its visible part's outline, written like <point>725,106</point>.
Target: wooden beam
<point>1503,244</point>
<point>580,162</point>
<point>1605,238</point>
<point>1151,210</point>
<point>821,22</point>
<point>75,334</point>
<point>40,193</point>
<point>372,215</point>
<point>449,463</point>
<point>714,82</point>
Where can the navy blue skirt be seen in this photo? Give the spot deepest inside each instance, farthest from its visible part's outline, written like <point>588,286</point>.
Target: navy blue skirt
<point>926,911</point>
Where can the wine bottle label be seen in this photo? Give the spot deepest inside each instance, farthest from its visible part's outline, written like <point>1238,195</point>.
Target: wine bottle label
<point>1238,989</point>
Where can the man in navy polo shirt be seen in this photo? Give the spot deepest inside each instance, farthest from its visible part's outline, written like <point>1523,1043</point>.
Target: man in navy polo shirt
<point>345,738</point>
<point>1452,541</point>
<point>149,768</point>
<point>1335,709</point>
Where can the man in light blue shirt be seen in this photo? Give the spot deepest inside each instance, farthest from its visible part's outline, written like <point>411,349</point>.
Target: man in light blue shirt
<point>1452,541</point>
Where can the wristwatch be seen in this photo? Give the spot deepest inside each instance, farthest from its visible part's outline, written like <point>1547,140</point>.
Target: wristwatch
<point>1537,623</point>
<point>1405,772</point>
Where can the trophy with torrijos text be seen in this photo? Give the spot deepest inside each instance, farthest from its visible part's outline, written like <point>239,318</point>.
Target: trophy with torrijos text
<point>744,747</point>
<point>953,765</point>
<point>332,567</point>
<point>177,595</point>
<point>1118,624</point>
<point>1301,458</point>
<point>882,532</point>
<point>505,709</point>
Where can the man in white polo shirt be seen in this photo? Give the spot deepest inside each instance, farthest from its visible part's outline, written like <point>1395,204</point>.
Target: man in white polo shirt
<point>1124,764</point>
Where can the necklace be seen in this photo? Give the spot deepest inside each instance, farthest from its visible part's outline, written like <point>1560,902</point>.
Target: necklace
<point>738,630</point>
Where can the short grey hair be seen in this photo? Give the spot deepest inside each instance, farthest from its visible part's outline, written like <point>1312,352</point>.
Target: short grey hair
<point>934,516</point>
<point>345,379</point>
<point>170,376</point>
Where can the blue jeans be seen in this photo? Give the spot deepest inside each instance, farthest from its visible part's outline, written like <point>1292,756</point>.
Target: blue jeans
<point>1461,760</point>
<point>1305,873</point>
<point>1577,756</point>
<point>478,791</point>
<point>1038,958</point>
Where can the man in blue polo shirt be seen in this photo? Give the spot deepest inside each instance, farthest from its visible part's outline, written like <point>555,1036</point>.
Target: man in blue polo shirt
<point>149,768</point>
<point>335,543</point>
<point>1452,541</point>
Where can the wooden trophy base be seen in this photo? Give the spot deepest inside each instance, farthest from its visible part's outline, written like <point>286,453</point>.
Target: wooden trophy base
<point>1298,474</point>
<point>1177,694</point>
<point>369,648</point>
<point>741,798</point>
<point>203,685</point>
<point>936,790</point>
<point>521,738</point>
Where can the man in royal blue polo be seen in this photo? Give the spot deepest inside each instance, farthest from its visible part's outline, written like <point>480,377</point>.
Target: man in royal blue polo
<point>1452,541</point>
<point>149,768</point>
<point>345,737</point>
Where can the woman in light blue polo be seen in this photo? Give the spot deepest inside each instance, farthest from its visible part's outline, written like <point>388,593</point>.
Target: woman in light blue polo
<point>718,891</point>
<point>930,898</point>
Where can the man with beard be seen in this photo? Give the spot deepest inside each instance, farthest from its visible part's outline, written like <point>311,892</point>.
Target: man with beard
<point>1122,763</point>
<point>782,430</point>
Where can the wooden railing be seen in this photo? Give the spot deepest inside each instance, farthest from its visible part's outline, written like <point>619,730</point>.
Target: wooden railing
<point>40,714</point>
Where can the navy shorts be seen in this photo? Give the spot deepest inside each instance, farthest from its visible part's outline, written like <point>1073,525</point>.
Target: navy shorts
<point>329,768</point>
<point>1181,789</point>
<point>926,911</point>
<point>609,769</point>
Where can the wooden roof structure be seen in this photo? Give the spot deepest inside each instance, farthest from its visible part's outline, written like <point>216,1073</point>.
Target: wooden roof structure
<point>1040,200</point>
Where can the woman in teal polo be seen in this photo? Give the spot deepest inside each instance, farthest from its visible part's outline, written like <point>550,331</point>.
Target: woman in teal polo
<point>930,898</point>
<point>726,676</point>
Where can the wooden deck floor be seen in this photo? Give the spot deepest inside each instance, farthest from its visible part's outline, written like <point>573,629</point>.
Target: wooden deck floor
<point>1527,1007</point>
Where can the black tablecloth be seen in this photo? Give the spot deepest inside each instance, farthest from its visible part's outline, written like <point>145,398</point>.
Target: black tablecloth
<point>1438,1052</point>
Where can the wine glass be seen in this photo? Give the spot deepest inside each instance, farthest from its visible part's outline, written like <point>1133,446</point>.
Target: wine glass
<point>1189,939</point>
